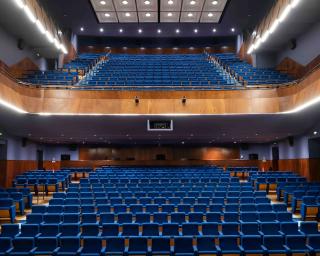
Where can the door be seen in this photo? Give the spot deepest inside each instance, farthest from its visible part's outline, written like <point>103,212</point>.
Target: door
<point>275,158</point>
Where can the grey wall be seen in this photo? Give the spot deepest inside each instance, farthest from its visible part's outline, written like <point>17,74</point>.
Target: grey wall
<point>263,151</point>
<point>266,60</point>
<point>10,54</point>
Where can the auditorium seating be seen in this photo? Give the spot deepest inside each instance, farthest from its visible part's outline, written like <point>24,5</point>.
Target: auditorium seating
<point>250,74</point>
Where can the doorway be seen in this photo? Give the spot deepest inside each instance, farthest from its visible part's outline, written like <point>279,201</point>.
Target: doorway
<point>40,159</point>
<point>275,158</point>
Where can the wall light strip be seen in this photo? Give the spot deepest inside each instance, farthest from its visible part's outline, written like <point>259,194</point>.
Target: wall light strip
<point>12,107</point>
<point>275,25</point>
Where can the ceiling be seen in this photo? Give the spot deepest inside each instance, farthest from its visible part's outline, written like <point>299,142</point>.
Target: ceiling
<point>77,14</point>
<point>131,130</point>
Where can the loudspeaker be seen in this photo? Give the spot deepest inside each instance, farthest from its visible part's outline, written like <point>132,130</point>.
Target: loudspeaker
<point>65,157</point>
<point>73,147</point>
<point>244,146</point>
<point>291,141</point>
<point>21,44</point>
<point>293,43</point>
<point>253,156</point>
<point>24,142</point>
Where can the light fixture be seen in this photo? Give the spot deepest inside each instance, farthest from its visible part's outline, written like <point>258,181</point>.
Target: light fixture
<point>127,14</point>
<point>101,30</point>
<point>56,43</point>
<point>184,100</point>
<point>82,29</point>
<point>139,30</point>
<point>214,2</point>
<point>103,2</point>
<point>147,2</point>
<point>190,14</point>
<point>124,2</point>
<point>294,3</point>
<point>210,14</point>
<point>59,32</point>
<point>170,14</point>
<point>315,133</point>
<point>40,27</point>
<point>159,31</point>
<point>120,30</point>
<point>285,13</point>
<point>214,30</point>
<point>170,2</point>
<point>107,14</point>
<point>136,100</point>
<point>274,26</point>
<point>233,29</point>
<point>195,30</point>
<point>30,15</point>
<point>177,31</point>
<point>148,14</point>
<point>192,2</point>
<point>49,36</point>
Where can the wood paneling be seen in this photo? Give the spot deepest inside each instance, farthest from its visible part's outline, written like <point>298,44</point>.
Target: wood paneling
<point>22,67</point>
<point>300,166</point>
<point>16,167</point>
<point>150,153</point>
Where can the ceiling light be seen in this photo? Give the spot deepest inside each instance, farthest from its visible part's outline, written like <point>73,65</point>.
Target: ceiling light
<point>56,43</point>
<point>210,14</point>
<point>120,30</point>
<point>82,29</point>
<point>170,2</point>
<point>49,36</point>
<point>19,3</point>
<point>177,31</point>
<point>195,30</point>
<point>214,30</point>
<point>159,31</point>
<point>148,14</point>
<point>40,27</point>
<point>64,50</point>
<point>103,2</point>
<point>169,14</point>
<point>30,15</point>
<point>294,3</point>
<point>140,30</point>
<point>147,2</point>
<point>274,26</point>
<point>107,14</point>
<point>190,14</point>
<point>214,2</point>
<point>285,13</point>
<point>127,14</point>
<point>315,133</point>
<point>124,2</point>
<point>192,2</point>
<point>233,29</point>
<point>101,30</point>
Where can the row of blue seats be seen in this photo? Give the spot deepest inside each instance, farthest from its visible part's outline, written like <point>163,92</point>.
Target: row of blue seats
<point>183,246</point>
<point>159,217</point>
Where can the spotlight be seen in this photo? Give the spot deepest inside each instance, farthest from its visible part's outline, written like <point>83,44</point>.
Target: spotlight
<point>107,14</point>
<point>139,30</point>
<point>195,31</point>
<point>184,100</point>
<point>169,14</point>
<point>136,100</point>
<point>147,2</point>
<point>170,2</point>
<point>127,14</point>
<point>315,133</point>
<point>210,14</point>
<point>190,14</point>
<point>124,2</point>
<point>148,14</point>
<point>192,2</point>
<point>159,31</point>
<point>101,30</point>
<point>233,29</point>
<point>214,2</point>
<point>214,30</point>
<point>177,31</point>
<point>82,29</point>
<point>103,2</point>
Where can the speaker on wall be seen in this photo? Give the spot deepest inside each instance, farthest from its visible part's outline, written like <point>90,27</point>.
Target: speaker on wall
<point>65,157</point>
<point>291,141</point>
<point>24,142</point>
<point>244,146</point>
<point>21,44</point>
<point>293,43</point>
<point>73,147</point>
<point>253,156</point>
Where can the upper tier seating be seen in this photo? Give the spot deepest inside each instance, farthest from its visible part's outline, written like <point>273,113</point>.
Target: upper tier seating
<point>176,70</point>
<point>250,74</point>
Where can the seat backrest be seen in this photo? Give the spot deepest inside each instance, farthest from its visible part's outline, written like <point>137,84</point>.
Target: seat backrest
<point>150,229</point>
<point>69,229</point>
<point>130,229</point>
<point>160,244</point>
<point>210,228</point>
<point>92,245</point>
<point>274,242</point>
<point>69,244</point>
<point>251,242</point>
<point>170,229</point>
<point>183,244</point>
<point>309,227</point>
<point>9,230</point>
<point>228,242</point>
<point>23,244</point>
<point>29,230</point>
<point>296,241</point>
<point>138,244</point>
<point>46,243</point>
<point>115,244</point>
<point>206,243</point>
<point>5,244</point>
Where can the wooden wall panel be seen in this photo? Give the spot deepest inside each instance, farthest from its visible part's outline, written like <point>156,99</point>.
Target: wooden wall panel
<point>16,167</point>
<point>314,169</point>
<point>300,166</point>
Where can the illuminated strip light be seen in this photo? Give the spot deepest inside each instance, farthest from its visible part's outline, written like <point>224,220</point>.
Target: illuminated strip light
<point>19,3</point>
<point>303,106</point>
<point>12,107</point>
<point>285,13</point>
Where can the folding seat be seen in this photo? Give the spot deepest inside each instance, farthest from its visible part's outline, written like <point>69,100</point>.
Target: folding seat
<point>29,230</point>
<point>200,208</point>
<point>213,217</point>
<point>290,228</point>
<point>262,200</point>
<point>130,229</point>
<point>115,200</point>
<point>49,230</point>
<point>309,228</point>
<point>206,194</point>
<point>71,218</point>
<point>284,217</point>
<point>89,218</point>
<point>217,200</point>
<point>120,208</point>
<point>72,209</point>
<point>55,209</point>
<point>150,229</point>
<point>22,246</point>
<point>186,208</point>
<point>88,208</point>
<point>274,244</point>
<point>39,209</point>
<point>196,217</point>
<point>160,217</point>
<point>68,246</point>
<point>211,229</point>
<point>264,208</point>
<point>89,230</point>
<point>189,200</point>
<point>267,217</point>
<point>248,208</point>
<point>231,208</point>
<point>137,246</point>
<point>250,228</point>
<point>309,207</point>
<point>53,218</point>
<point>252,245</point>
<point>152,208</point>
<point>159,200</point>
<point>184,246</point>
<point>34,218</point>
<point>168,208</point>
<point>145,200</point>
<point>110,230</point>
<point>170,229</point>
<point>230,217</point>
<point>45,246</point>
<point>7,205</point>
<point>314,244</point>
<point>125,218</point>
<point>72,201</point>
<point>5,245</point>
<point>69,230</point>
<point>279,207</point>
<point>215,207</point>
<point>161,246</point>
<point>174,200</point>
<point>229,245</point>
<point>230,228</point>
<point>103,208</point>
<point>114,246</point>
<point>134,208</point>
<point>272,228</point>
<point>142,218</point>
<point>232,200</point>
<point>297,244</point>
<point>190,229</point>
<point>178,217</point>
<point>130,200</point>
<point>9,230</point>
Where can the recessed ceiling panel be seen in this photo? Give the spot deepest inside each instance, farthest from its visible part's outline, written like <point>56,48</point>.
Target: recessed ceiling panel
<point>125,5</point>
<point>125,17</point>
<point>210,17</point>
<point>170,5</point>
<point>169,16</point>
<point>192,5</point>
<point>193,17</point>
<point>101,6</point>
<point>147,5</point>
<point>214,5</point>
<point>148,16</point>
<point>107,17</point>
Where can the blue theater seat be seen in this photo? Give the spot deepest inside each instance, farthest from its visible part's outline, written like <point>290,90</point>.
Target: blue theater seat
<point>229,245</point>
<point>297,244</point>
<point>274,244</point>
<point>5,245</point>
<point>210,228</point>
<point>142,218</point>
<point>69,230</point>
<point>110,230</point>
<point>90,230</point>
<point>252,245</point>
<point>161,246</point>
<point>107,218</point>
<point>45,246</point>
<point>160,217</point>
<point>22,246</point>
<point>170,229</point>
<point>183,246</point>
<point>91,247</point>
<point>309,228</point>
<point>250,229</point>
<point>206,245</point>
<point>29,230</point>
<point>150,229</point>
<point>138,246</point>
<point>7,205</point>
<point>68,246</point>
<point>130,229</point>
<point>114,246</point>
<point>9,230</point>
